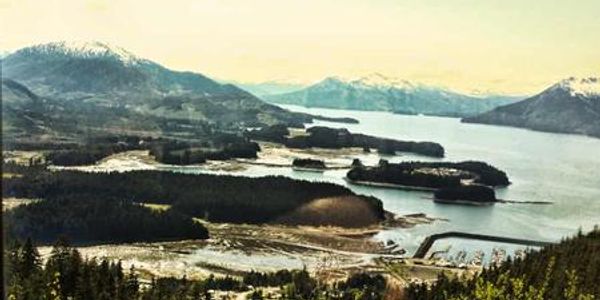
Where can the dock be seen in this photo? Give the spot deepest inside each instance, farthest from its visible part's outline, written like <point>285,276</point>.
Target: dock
<point>428,241</point>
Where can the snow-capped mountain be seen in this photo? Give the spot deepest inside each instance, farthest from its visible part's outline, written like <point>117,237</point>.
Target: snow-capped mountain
<point>585,87</point>
<point>61,68</point>
<point>83,49</point>
<point>384,93</point>
<point>569,106</point>
<point>94,74</point>
<point>378,81</point>
<point>4,53</point>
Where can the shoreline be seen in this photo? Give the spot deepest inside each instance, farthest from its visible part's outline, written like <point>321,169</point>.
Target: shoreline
<point>237,248</point>
<point>390,185</point>
<point>465,202</point>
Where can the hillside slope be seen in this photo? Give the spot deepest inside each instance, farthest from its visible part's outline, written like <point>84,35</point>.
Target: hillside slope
<point>98,74</point>
<point>377,92</point>
<point>570,106</point>
<point>569,270</point>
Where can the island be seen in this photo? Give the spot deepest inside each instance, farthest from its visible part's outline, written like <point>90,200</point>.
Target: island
<point>308,164</point>
<point>429,176</point>
<point>337,138</point>
<point>113,207</point>
<point>472,194</point>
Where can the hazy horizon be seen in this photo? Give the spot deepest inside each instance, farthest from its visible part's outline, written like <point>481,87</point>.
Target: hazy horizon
<point>503,47</point>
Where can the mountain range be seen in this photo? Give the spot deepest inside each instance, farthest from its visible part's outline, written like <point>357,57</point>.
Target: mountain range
<point>376,92</point>
<point>569,106</point>
<point>82,81</point>
<point>67,90</point>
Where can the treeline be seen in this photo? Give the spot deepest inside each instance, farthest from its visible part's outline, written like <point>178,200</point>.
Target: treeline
<point>212,146</point>
<point>472,192</point>
<point>293,285</point>
<point>66,275</point>
<point>215,146</point>
<point>569,270</point>
<point>430,174</point>
<point>486,174</point>
<point>96,148</point>
<point>308,163</point>
<point>218,198</point>
<point>276,133</point>
<point>325,137</point>
<point>88,218</point>
<point>85,152</point>
<point>85,155</point>
<point>225,147</point>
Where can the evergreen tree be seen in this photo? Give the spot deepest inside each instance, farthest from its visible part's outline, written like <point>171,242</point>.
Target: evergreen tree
<point>29,260</point>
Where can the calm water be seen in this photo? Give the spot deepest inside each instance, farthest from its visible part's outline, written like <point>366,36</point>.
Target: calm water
<point>564,169</point>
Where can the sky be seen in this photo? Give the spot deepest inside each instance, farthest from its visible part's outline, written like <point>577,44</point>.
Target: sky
<point>488,46</point>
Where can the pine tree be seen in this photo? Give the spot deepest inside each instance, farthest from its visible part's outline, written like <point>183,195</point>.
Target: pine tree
<point>132,285</point>
<point>29,263</point>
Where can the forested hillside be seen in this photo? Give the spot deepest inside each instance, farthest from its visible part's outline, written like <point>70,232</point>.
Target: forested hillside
<point>569,270</point>
<point>91,219</point>
<point>217,198</point>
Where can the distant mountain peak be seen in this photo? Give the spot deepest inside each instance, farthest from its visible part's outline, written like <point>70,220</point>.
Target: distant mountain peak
<point>570,106</point>
<point>378,92</point>
<point>586,87</point>
<point>378,80</point>
<point>371,81</point>
<point>85,49</point>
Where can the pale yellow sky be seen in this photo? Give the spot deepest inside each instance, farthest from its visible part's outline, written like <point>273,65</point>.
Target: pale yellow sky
<point>509,46</point>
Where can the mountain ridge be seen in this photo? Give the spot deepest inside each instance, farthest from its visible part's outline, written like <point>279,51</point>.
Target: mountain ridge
<point>102,87</point>
<point>571,105</point>
<point>377,92</point>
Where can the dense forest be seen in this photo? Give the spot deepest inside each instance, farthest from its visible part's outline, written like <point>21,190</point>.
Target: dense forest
<point>223,148</point>
<point>85,152</point>
<point>218,198</point>
<point>471,192</point>
<point>568,270</point>
<point>325,137</point>
<point>91,219</point>
<point>214,146</point>
<point>430,174</point>
<point>66,275</point>
<point>308,163</point>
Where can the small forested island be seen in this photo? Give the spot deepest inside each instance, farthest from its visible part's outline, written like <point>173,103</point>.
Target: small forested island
<point>308,164</point>
<point>474,194</point>
<point>110,207</point>
<point>428,175</point>
<point>333,138</point>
